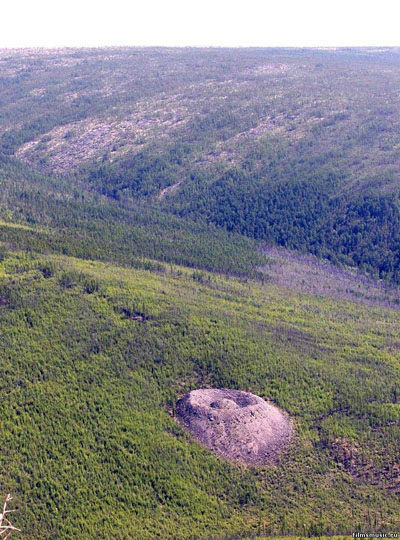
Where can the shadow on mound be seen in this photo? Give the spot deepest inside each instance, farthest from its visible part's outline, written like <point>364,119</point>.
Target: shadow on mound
<point>236,425</point>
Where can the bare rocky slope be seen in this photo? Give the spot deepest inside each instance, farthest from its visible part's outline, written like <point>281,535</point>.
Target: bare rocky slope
<point>235,424</point>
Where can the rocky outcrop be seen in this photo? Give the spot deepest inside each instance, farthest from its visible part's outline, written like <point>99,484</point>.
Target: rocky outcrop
<point>236,425</point>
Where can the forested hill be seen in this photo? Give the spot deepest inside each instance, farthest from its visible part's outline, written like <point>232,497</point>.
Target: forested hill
<point>145,196</point>
<point>46,215</point>
<point>297,147</point>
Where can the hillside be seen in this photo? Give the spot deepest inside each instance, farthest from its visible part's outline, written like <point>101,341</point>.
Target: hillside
<point>183,219</point>
<point>44,214</point>
<point>295,147</point>
<point>95,356</point>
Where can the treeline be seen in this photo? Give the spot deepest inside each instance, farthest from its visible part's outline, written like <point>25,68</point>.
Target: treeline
<point>274,196</point>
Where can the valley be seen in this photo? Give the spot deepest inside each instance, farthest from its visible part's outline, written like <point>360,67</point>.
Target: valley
<point>181,219</point>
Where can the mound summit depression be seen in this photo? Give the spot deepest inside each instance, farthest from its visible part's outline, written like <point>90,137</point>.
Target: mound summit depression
<point>236,425</point>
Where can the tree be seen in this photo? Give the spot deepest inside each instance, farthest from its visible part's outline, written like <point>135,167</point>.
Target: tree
<point>6,528</point>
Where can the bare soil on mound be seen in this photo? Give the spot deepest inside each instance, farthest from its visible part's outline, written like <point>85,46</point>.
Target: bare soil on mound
<point>236,425</point>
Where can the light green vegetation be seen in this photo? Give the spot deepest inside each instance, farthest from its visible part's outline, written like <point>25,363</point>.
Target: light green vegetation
<point>94,358</point>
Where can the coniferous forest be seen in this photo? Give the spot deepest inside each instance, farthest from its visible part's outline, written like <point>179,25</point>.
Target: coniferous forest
<point>175,219</point>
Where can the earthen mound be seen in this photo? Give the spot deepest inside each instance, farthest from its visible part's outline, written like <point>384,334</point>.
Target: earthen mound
<point>236,425</point>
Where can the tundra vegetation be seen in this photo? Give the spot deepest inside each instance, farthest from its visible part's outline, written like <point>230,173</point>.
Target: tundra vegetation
<point>138,191</point>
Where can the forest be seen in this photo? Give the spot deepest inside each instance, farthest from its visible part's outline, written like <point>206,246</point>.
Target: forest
<point>89,393</point>
<point>293,147</point>
<point>175,219</point>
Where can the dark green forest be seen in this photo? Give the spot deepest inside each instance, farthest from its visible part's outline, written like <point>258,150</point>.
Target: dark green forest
<point>294,147</point>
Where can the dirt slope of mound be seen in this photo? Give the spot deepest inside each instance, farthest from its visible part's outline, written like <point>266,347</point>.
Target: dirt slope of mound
<point>236,425</point>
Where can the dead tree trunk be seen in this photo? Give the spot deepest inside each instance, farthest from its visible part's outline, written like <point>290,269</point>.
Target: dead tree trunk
<point>6,528</point>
